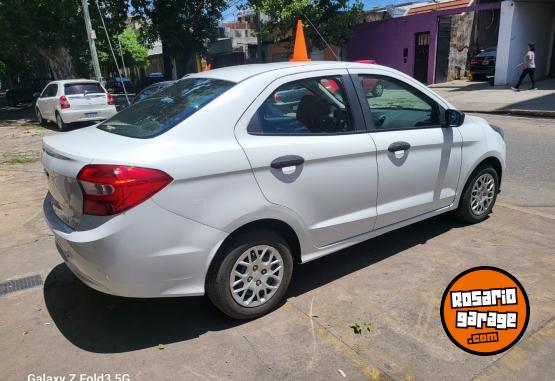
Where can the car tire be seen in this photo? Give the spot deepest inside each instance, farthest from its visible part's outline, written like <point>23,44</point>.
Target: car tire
<point>60,122</point>
<point>378,90</point>
<point>479,195</point>
<point>40,119</point>
<point>249,257</point>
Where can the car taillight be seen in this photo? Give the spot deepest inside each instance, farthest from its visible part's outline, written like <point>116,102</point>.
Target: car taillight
<point>64,103</point>
<point>474,60</point>
<point>112,189</point>
<point>110,99</point>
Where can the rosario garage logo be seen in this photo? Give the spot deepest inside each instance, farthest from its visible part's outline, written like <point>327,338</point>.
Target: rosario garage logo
<point>485,310</point>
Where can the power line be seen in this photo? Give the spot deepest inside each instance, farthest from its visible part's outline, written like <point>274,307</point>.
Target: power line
<point>322,37</point>
<point>112,50</point>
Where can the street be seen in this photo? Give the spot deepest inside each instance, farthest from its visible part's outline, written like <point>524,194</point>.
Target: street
<point>391,286</point>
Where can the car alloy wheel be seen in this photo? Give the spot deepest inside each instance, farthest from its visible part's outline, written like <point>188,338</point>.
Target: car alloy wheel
<point>378,90</point>
<point>256,276</point>
<point>250,274</point>
<point>482,194</point>
<point>479,195</point>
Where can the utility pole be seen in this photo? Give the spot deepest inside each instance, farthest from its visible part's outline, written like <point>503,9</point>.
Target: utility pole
<point>259,38</point>
<point>88,26</point>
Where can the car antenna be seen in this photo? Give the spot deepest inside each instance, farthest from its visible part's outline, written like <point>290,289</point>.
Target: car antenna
<point>322,37</point>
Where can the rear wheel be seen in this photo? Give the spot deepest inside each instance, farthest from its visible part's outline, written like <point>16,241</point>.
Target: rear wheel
<point>479,195</point>
<point>60,122</point>
<point>40,119</point>
<point>251,274</point>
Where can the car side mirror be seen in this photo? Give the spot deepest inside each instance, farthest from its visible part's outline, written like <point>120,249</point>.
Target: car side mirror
<point>36,95</point>
<point>453,118</point>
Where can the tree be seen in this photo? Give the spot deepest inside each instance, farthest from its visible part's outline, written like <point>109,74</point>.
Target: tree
<point>54,30</point>
<point>135,53</point>
<point>333,18</point>
<point>183,26</point>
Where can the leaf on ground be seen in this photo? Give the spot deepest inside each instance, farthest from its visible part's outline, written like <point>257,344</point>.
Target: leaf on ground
<point>371,328</point>
<point>24,333</point>
<point>161,346</point>
<point>357,329</point>
<point>342,373</point>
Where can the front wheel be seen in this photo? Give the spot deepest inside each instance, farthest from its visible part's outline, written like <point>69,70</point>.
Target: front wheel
<point>378,90</point>
<point>251,274</point>
<point>479,196</point>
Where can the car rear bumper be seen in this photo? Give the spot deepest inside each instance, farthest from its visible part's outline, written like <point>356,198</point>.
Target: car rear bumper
<point>144,252</point>
<point>74,116</point>
<point>482,70</point>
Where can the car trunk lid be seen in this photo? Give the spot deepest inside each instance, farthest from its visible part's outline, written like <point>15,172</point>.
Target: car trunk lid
<point>85,96</point>
<point>63,157</point>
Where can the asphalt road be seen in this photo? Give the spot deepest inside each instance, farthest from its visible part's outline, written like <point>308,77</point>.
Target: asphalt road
<point>530,179</point>
<point>392,283</point>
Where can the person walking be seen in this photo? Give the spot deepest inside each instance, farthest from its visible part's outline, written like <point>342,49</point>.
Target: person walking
<point>529,67</point>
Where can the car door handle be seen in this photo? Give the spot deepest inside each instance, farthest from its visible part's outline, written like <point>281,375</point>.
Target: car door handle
<point>398,146</point>
<point>287,161</point>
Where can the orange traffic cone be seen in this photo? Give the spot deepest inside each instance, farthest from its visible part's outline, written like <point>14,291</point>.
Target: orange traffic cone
<point>299,49</point>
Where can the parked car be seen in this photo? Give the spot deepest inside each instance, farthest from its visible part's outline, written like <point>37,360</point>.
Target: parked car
<point>150,90</point>
<point>74,100</point>
<point>155,78</point>
<point>116,85</point>
<point>123,91</point>
<point>24,93</point>
<point>482,65</point>
<point>372,87</point>
<point>210,188</point>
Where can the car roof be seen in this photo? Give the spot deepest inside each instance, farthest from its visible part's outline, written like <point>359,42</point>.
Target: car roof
<point>70,81</point>
<point>242,72</point>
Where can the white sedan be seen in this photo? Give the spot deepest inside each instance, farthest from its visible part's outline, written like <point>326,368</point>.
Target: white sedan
<point>74,100</point>
<point>217,184</point>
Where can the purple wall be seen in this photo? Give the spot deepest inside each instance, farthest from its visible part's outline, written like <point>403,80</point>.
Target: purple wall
<point>385,40</point>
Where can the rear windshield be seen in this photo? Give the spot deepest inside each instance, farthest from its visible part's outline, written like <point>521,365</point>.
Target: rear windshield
<point>156,114</point>
<point>82,88</point>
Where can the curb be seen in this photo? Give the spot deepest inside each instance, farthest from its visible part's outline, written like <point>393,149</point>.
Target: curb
<point>517,112</point>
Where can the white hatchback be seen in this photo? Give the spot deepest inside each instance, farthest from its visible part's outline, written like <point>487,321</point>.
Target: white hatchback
<point>74,100</point>
<point>220,182</point>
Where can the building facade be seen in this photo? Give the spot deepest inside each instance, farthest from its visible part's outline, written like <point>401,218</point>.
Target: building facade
<point>434,42</point>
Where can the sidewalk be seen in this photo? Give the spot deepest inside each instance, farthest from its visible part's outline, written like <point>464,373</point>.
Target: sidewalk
<point>482,97</point>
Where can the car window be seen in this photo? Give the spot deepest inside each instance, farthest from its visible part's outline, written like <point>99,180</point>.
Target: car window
<point>165,109</point>
<point>397,105</point>
<point>50,91</point>
<point>82,88</point>
<point>304,107</point>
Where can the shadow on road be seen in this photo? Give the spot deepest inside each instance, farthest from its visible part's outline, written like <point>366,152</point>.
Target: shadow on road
<point>101,323</point>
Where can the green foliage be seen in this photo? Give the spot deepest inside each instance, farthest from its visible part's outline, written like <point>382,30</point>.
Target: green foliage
<point>52,32</point>
<point>333,18</point>
<point>135,53</point>
<point>183,26</point>
<point>186,24</point>
<point>357,329</point>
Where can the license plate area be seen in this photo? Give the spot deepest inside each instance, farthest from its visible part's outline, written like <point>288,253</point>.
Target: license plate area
<point>90,114</point>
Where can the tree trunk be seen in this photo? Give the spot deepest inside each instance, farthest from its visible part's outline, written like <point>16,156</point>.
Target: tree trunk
<point>168,66</point>
<point>59,61</point>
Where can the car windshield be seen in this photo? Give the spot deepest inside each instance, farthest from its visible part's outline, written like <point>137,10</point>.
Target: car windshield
<point>156,114</point>
<point>82,88</point>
